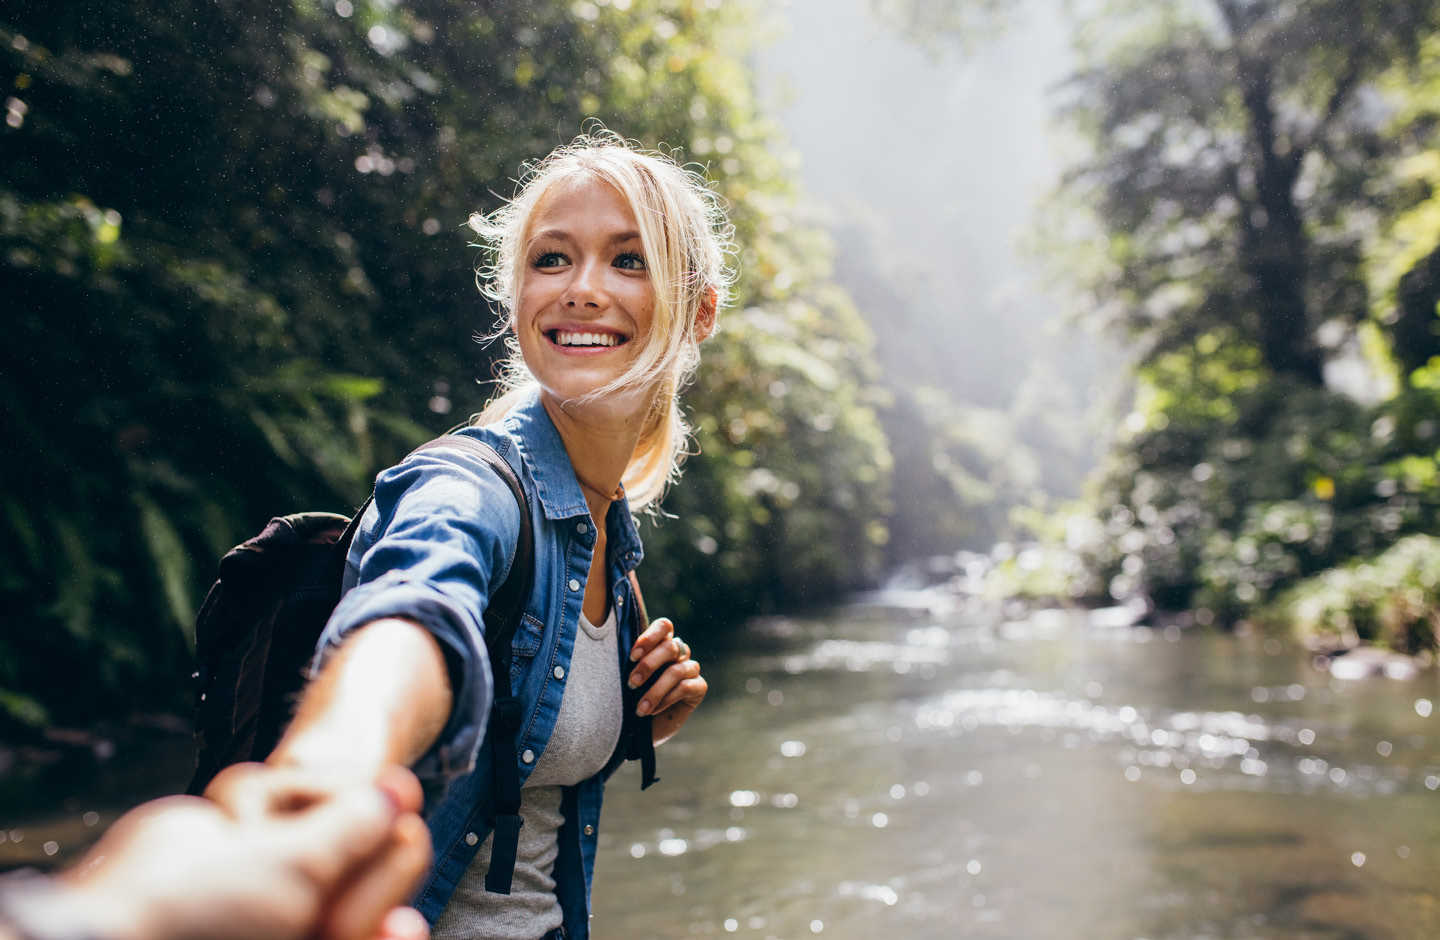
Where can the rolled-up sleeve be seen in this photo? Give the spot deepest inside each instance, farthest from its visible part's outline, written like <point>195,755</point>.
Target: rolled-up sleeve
<point>441,537</point>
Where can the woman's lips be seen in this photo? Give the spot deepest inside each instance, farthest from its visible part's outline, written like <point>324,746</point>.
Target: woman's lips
<point>584,339</point>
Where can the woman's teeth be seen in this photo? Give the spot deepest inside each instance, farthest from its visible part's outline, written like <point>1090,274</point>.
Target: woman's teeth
<point>563,338</point>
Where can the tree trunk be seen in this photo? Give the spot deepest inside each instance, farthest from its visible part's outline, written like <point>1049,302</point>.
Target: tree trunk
<point>1275,244</point>
<point>1413,336</point>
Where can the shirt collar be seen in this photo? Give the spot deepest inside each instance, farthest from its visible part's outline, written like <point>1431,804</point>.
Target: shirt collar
<point>560,495</point>
<point>544,452</point>
<point>620,530</point>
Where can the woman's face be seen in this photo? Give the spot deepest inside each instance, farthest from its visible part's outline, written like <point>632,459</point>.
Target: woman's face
<point>585,303</point>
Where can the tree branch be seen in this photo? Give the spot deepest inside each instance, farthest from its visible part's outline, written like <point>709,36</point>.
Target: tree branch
<point>1345,85</point>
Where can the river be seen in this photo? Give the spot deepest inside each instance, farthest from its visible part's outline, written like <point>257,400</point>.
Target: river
<point>887,772</point>
<point>878,773</point>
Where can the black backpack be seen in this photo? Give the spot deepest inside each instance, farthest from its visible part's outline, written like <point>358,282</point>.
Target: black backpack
<point>257,631</point>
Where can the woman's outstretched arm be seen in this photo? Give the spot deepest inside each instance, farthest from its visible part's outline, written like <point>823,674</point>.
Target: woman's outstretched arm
<point>382,698</point>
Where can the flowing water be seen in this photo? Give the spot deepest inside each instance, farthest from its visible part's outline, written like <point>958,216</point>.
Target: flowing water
<point>881,774</point>
<point>888,773</point>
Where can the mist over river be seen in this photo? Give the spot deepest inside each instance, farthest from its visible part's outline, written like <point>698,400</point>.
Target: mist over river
<point>880,772</point>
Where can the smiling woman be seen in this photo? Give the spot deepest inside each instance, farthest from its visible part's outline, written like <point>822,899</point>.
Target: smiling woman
<point>609,264</point>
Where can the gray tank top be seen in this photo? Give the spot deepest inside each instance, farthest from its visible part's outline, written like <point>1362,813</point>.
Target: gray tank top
<point>586,732</point>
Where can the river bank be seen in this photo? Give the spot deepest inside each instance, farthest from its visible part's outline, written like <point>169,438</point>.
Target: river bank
<point>59,790</point>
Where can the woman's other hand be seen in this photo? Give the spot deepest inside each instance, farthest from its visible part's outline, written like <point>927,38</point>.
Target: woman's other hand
<point>679,688</point>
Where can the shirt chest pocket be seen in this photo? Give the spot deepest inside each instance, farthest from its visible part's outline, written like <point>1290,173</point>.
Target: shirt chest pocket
<point>529,634</point>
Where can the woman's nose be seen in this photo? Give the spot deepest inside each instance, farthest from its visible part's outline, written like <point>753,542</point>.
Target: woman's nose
<point>587,287</point>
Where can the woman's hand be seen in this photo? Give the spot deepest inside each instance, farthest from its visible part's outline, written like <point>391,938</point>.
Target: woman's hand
<point>678,689</point>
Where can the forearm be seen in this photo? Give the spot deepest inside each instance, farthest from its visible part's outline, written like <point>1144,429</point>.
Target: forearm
<point>382,699</point>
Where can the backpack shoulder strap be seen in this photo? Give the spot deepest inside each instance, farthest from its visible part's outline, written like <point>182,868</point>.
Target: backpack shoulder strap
<point>639,599</point>
<point>640,743</point>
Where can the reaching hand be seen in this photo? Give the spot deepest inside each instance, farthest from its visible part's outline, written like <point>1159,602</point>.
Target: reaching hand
<point>679,688</point>
<point>313,867</point>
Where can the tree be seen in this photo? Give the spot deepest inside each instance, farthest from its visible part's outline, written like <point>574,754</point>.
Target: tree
<point>1251,213</point>
<point>236,279</point>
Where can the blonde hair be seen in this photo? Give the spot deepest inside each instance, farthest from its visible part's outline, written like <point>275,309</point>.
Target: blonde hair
<point>686,239</point>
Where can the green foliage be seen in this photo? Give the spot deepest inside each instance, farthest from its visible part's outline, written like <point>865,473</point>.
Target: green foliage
<point>1224,512</point>
<point>237,284</point>
<point>1392,600</point>
<point>1235,219</point>
<point>1253,212</point>
<point>785,502</point>
<point>1227,181</point>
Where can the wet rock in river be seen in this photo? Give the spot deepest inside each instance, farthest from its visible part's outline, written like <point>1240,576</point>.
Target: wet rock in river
<point>1364,662</point>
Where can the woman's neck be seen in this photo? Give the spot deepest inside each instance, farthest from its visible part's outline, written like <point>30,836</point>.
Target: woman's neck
<point>600,444</point>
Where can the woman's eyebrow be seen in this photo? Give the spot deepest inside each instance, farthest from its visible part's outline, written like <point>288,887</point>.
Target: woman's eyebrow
<point>562,235</point>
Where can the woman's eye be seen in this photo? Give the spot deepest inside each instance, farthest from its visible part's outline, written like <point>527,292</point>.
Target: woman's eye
<point>550,259</point>
<point>630,261</point>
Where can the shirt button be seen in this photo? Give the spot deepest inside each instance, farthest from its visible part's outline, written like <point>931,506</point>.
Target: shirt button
<point>619,600</point>
<point>574,584</point>
<point>471,838</point>
<point>589,830</point>
<point>528,757</point>
<point>559,672</point>
<point>582,528</point>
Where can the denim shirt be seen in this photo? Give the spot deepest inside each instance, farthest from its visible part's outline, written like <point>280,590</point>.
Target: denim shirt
<point>438,538</point>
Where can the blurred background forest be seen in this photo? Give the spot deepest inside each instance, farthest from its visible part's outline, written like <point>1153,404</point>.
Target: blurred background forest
<point>236,283</point>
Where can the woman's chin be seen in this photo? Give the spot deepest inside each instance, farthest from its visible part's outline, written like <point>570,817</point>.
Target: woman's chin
<point>578,400</point>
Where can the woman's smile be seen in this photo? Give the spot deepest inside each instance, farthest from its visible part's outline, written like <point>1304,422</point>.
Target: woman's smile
<point>585,339</point>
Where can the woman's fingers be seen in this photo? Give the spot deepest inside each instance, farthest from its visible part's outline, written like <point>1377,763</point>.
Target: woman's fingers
<point>656,647</point>
<point>404,923</point>
<point>671,718</point>
<point>365,907</point>
<point>656,635</point>
<point>403,787</point>
<point>251,790</point>
<point>671,688</point>
<point>337,839</point>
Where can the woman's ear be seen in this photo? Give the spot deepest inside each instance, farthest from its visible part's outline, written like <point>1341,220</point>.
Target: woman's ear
<point>705,316</point>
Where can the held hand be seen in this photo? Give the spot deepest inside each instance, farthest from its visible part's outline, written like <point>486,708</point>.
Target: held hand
<point>679,688</point>
<point>332,867</point>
